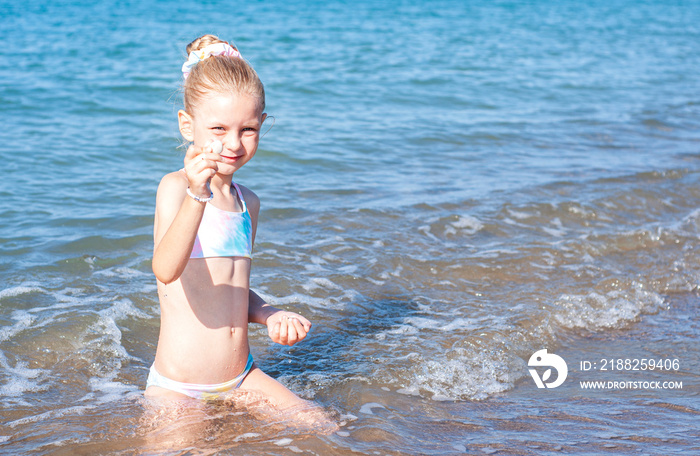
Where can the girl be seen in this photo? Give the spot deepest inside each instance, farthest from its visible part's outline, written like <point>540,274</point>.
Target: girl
<point>204,231</point>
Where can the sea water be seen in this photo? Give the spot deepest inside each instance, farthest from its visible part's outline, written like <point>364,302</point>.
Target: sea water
<point>448,188</point>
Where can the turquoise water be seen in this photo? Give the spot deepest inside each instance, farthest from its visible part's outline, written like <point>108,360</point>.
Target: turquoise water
<point>448,187</point>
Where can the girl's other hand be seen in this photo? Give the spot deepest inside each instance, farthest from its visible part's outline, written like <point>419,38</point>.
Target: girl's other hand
<point>287,328</point>
<point>200,167</point>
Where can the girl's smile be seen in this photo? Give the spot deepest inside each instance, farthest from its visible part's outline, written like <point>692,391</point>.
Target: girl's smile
<point>231,158</point>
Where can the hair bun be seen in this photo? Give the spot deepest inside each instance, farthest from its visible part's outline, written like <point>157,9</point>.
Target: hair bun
<point>204,41</point>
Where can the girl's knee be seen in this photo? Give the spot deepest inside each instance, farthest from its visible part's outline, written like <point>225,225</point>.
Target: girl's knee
<point>273,391</point>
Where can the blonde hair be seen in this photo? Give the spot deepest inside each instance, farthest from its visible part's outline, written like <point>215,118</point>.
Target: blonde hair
<point>221,74</point>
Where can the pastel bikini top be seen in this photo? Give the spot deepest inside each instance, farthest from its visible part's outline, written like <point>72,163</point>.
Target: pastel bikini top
<point>224,234</point>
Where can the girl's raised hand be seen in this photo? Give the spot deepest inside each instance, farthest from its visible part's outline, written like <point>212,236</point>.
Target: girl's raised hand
<point>201,166</point>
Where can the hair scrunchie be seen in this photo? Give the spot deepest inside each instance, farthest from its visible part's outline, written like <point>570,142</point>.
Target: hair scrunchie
<point>213,49</point>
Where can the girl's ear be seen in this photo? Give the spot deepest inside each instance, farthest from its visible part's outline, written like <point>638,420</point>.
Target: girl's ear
<point>184,120</point>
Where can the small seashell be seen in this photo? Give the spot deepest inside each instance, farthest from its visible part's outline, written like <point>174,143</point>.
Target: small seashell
<point>217,147</point>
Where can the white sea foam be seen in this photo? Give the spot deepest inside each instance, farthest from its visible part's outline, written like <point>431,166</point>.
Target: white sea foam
<point>399,329</point>
<point>20,379</point>
<point>248,436</point>
<point>121,272</point>
<point>690,223</point>
<point>294,298</point>
<point>338,300</point>
<point>349,269</point>
<point>101,345</point>
<point>110,391</point>
<point>308,384</point>
<point>512,222</point>
<point>324,241</point>
<point>348,417</point>
<point>450,230</point>
<point>98,345</point>
<point>124,308</point>
<point>614,309</point>
<point>409,390</point>
<point>375,281</point>
<point>320,282</point>
<point>467,224</point>
<point>429,323</point>
<point>20,290</point>
<point>395,273</point>
<point>553,231</point>
<point>464,375</point>
<point>367,408</point>
<point>22,320</point>
<point>520,215</point>
<point>50,415</point>
<point>69,295</point>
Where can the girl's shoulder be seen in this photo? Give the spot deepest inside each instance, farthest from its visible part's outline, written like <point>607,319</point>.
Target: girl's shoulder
<point>174,179</point>
<point>172,187</point>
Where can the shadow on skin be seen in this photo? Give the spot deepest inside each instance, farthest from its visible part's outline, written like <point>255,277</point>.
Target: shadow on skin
<point>218,310</point>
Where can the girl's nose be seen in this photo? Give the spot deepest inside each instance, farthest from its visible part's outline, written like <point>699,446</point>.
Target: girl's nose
<point>232,142</point>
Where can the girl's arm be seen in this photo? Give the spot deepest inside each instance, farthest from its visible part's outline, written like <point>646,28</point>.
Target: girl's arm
<point>286,328</point>
<point>178,216</point>
<point>175,227</point>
